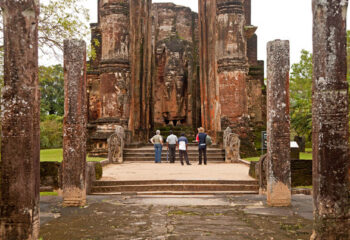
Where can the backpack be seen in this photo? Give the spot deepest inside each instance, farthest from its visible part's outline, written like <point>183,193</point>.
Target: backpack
<point>208,140</point>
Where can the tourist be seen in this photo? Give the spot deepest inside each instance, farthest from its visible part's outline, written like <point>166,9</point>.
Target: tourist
<point>157,141</point>
<point>183,142</point>
<point>202,146</point>
<point>171,143</point>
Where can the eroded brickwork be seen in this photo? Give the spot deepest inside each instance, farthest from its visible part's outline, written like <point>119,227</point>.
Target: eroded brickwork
<point>330,121</point>
<point>74,123</point>
<point>278,124</point>
<point>20,142</point>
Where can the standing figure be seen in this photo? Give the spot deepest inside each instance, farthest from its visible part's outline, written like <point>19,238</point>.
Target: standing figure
<point>202,146</point>
<point>157,141</point>
<point>183,149</point>
<point>171,143</point>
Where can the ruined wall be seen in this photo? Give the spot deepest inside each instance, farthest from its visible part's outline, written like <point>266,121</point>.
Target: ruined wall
<point>176,53</point>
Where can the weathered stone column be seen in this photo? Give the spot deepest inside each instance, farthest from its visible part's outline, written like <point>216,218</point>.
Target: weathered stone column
<point>115,65</point>
<point>20,143</point>
<point>141,68</point>
<point>330,121</point>
<point>210,104</point>
<point>278,124</point>
<point>74,125</point>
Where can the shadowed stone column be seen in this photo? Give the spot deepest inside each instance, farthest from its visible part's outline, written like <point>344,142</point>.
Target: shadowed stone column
<point>74,126</point>
<point>278,124</point>
<point>209,87</point>
<point>330,121</point>
<point>20,143</point>
<point>231,49</point>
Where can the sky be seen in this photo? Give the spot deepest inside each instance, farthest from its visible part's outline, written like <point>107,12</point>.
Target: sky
<point>276,19</point>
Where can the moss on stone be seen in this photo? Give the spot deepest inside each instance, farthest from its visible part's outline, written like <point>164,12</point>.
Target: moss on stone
<point>98,171</point>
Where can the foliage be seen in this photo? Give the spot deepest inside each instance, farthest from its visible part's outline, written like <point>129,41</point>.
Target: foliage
<point>52,90</point>
<point>301,95</point>
<point>51,128</point>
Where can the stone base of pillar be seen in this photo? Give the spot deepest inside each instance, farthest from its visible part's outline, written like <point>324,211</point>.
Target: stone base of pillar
<point>278,195</point>
<point>22,229</point>
<point>74,197</point>
<point>331,228</point>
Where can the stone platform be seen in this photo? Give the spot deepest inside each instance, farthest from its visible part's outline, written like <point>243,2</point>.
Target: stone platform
<point>166,171</point>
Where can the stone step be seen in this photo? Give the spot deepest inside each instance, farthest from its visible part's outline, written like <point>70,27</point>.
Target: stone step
<point>151,154</point>
<point>182,193</point>
<point>144,182</point>
<point>177,159</point>
<point>174,187</point>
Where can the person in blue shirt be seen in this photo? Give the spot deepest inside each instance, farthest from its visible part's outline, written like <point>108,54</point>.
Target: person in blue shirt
<point>202,146</point>
<point>183,143</point>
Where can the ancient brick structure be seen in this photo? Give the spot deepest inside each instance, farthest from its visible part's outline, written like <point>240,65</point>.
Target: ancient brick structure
<point>278,124</point>
<point>74,123</point>
<point>161,64</point>
<point>331,160</point>
<point>232,78</point>
<point>20,143</point>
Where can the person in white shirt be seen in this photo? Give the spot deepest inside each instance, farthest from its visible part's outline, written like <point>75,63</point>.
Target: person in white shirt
<point>171,143</point>
<point>183,142</point>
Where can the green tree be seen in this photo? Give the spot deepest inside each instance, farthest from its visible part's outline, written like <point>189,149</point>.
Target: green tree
<point>301,95</point>
<point>58,20</point>
<point>52,90</point>
<point>51,128</point>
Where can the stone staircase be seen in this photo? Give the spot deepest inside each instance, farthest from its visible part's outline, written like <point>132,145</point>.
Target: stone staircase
<point>146,153</point>
<point>176,187</point>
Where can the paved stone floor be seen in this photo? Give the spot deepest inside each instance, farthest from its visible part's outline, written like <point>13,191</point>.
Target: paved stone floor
<point>167,171</point>
<point>176,217</point>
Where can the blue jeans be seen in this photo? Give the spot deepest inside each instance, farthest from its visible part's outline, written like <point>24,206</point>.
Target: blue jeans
<point>158,152</point>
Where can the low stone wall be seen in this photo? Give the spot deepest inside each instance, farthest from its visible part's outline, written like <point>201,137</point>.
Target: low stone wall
<point>301,172</point>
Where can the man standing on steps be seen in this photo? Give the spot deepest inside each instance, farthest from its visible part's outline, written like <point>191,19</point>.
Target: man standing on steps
<point>183,149</point>
<point>202,146</point>
<point>171,143</point>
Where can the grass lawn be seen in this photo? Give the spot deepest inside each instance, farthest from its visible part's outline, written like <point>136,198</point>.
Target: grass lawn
<point>48,194</point>
<point>307,155</point>
<point>56,155</point>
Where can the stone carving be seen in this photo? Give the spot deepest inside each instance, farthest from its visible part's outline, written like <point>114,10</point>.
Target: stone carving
<point>116,146</point>
<point>232,144</point>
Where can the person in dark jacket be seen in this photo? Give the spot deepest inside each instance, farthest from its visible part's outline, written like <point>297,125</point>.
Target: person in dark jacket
<point>202,146</point>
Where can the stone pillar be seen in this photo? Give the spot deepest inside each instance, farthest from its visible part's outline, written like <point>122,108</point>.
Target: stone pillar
<point>278,124</point>
<point>210,104</point>
<point>115,67</point>
<point>330,121</point>
<point>141,68</point>
<point>75,122</point>
<point>20,142</point>
<point>231,49</point>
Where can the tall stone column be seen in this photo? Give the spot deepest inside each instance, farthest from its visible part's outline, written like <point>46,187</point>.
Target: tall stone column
<point>330,121</point>
<point>141,68</point>
<point>278,124</point>
<point>115,65</point>
<point>20,143</point>
<point>231,49</point>
<point>74,124</point>
<point>210,104</point>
